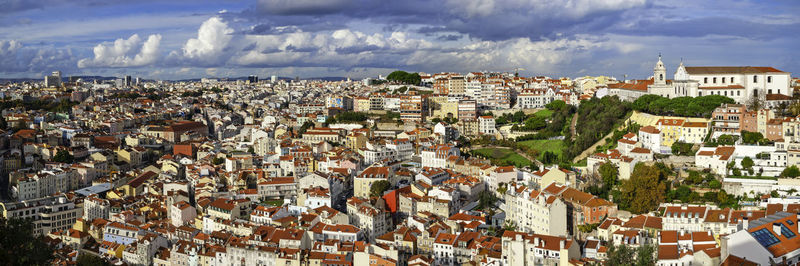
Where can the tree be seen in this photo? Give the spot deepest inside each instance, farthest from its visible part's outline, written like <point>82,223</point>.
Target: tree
<point>751,137</point>
<point>748,163</point>
<point>714,184</point>
<point>251,150</point>
<point>404,77</point>
<point>791,171</point>
<point>63,156</point>
<point>86,259</point>
<point>620,255</point>
<point>217,160</point>
<point>681,148</point>
<point>304,127</point>
<point>486,200</point>
<point>378,187</point>
<point>644,190</point>
<point>609,173</point>
<point>774,194</point>
<point>694,178</point>
<point>646,255</point>
<point>20,246</point>
<point>682,193</point>
<point>556,105</point>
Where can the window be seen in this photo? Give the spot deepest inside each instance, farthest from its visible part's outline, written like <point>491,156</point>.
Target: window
<point>785,231</point>
<point>723,80</point>
<point>705,80</point>
<point>769,79</point>
<point>732,81</point>
<point>715,80</point>
<point>765,237</point>
<point>755,78</point>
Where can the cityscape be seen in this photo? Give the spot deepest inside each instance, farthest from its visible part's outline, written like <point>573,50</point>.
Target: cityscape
<point>424,133</point>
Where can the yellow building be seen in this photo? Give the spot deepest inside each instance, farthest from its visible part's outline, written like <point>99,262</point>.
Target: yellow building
<point>355,141</point>
<point>670,130</point>
<point>694,132</point>
<point>361,104</point>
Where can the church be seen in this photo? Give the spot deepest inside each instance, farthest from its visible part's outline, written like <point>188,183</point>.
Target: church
<point>740,83</point>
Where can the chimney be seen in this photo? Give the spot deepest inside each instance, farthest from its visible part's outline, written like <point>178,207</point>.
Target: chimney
<point>776,227</point>
<point>561,244</point>
<point>745,223</point>
<point>536,241</point>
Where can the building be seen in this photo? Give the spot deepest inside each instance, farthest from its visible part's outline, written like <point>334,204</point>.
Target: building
<point>48,214</point>
<point>766,241</point>
<point>486,125</point>
<point>521,249</point>
<point>535,212</point>
<point>741,83</point>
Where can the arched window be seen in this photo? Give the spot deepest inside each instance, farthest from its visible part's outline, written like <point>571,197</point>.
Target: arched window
<point>755,78</point>
<point>732,80</point>
<point>769,79</point>
<point>660,76</point>
<point>723,80</point>
<point>705,80</point>
<point>715,80</point>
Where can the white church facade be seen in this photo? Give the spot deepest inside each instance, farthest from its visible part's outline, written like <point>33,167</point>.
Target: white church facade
<point>740,83</point>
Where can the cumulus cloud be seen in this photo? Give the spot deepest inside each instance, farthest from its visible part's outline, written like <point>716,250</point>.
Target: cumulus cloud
<point>131,52</point>
<point>18,58</point>
<point>211,45</point>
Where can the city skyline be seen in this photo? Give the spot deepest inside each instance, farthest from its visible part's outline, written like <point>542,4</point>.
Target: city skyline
<point>189,39</point>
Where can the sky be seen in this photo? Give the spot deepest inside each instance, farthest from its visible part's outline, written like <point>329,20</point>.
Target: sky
<point>179,39</point>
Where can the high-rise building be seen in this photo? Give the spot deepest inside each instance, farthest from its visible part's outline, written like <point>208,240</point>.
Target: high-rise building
<point>54,80</point>
<point>138,80</point>
<point>127,81</point>
<point>253,79</point>
<point>273,79</point>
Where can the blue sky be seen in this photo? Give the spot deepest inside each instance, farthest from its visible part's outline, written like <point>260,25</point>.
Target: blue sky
<point>312,38</point>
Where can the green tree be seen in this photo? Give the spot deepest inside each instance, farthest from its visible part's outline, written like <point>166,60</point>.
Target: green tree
<point>694,178</point>
<point>63,156</point>
<point>378,187</point>
<point>86,259</point>
<point>791,171</point>
<point>609,173</point>
<point>304,127</point>
<point>683,193</point>
<point>620,255</point>
<point>217,160</point>
<point>20,246</point>
<point>404,77</point>
<point>556,105</point>
<point>681,148</point>
<point>646,255</point>
<point>748,164</point>
<point>751,137</point>
<point>644,190</point>
<point>714,184</point>
<point>486,200</point>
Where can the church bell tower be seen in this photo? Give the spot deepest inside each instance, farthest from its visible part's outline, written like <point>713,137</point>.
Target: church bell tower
<point>659,72</point>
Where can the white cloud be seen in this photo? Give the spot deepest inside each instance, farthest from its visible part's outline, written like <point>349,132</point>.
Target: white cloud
<point>18,58</point>
<point>131,52</point>
<point>210,46</point>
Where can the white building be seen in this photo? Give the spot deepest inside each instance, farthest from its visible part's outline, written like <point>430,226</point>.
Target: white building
<point>486,125</point>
